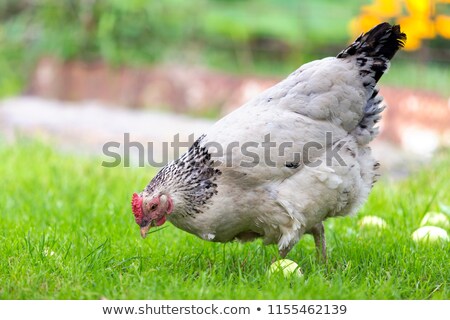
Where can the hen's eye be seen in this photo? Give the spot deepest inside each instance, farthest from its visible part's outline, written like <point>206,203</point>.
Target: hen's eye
<point>154,206</point>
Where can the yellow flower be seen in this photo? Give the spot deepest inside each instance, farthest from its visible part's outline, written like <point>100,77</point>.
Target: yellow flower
<point>413,42</point>
<point>418,27</point>
<point>420,8</point>
<point>419,21</point>
<point>383,8</point>
<point>363,23</point>
<point>443,25</point>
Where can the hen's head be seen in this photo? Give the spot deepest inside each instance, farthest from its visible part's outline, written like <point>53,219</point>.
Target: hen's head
<point>150,210</point>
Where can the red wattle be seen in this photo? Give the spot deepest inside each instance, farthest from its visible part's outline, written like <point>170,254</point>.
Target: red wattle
<point>136,205</point>
<point>161,221</point>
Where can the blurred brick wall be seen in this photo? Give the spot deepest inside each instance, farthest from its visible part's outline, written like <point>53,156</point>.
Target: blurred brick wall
<point>182,89</point>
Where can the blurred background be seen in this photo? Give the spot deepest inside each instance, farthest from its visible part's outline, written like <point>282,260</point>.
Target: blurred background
<point>81,73</point>
<point>76,75</point>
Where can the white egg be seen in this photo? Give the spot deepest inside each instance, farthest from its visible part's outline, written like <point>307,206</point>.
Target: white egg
<point>287,267</point>
<point>430,234</point>
<point>435,219</point>
<point>373,221</point>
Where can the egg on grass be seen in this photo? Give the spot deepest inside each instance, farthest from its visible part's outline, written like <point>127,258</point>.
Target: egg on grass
<point>430,234</point>
<point>286,267</point>
<point>372,222</point>
<point>436,219</point>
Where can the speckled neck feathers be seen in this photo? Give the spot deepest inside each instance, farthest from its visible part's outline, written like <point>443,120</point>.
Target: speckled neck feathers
<point>189,181</point>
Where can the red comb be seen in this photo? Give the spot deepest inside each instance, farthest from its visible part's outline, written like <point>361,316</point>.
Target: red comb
<point>136,205</point>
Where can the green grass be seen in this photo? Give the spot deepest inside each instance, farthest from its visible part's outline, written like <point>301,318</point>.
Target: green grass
<point>67,233</point>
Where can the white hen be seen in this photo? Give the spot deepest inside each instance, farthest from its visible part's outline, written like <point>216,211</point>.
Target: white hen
<point>284,162</point>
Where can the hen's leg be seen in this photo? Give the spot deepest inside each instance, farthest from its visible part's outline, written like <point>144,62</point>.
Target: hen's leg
<point>283,252</point>
<point>287,241</point>
<point>318,232</point>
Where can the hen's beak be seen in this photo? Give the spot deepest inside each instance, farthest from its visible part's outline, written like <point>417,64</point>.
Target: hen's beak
<point>144,230</point>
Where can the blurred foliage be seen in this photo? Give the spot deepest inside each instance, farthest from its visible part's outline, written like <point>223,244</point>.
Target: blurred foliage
<point>234,35</point>
<point>258,36</point>
<point>420,19</point>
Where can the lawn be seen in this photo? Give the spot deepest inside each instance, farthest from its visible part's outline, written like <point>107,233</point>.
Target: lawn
<point>67,232</point>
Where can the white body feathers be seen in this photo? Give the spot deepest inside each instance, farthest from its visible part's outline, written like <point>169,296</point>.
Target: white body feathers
<point>318,122</point>
<point>277,202</point>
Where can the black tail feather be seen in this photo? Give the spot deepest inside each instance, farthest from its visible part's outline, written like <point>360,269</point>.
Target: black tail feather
<point>378,45</point>
<point>372,52</point>
<point>383,40</point>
